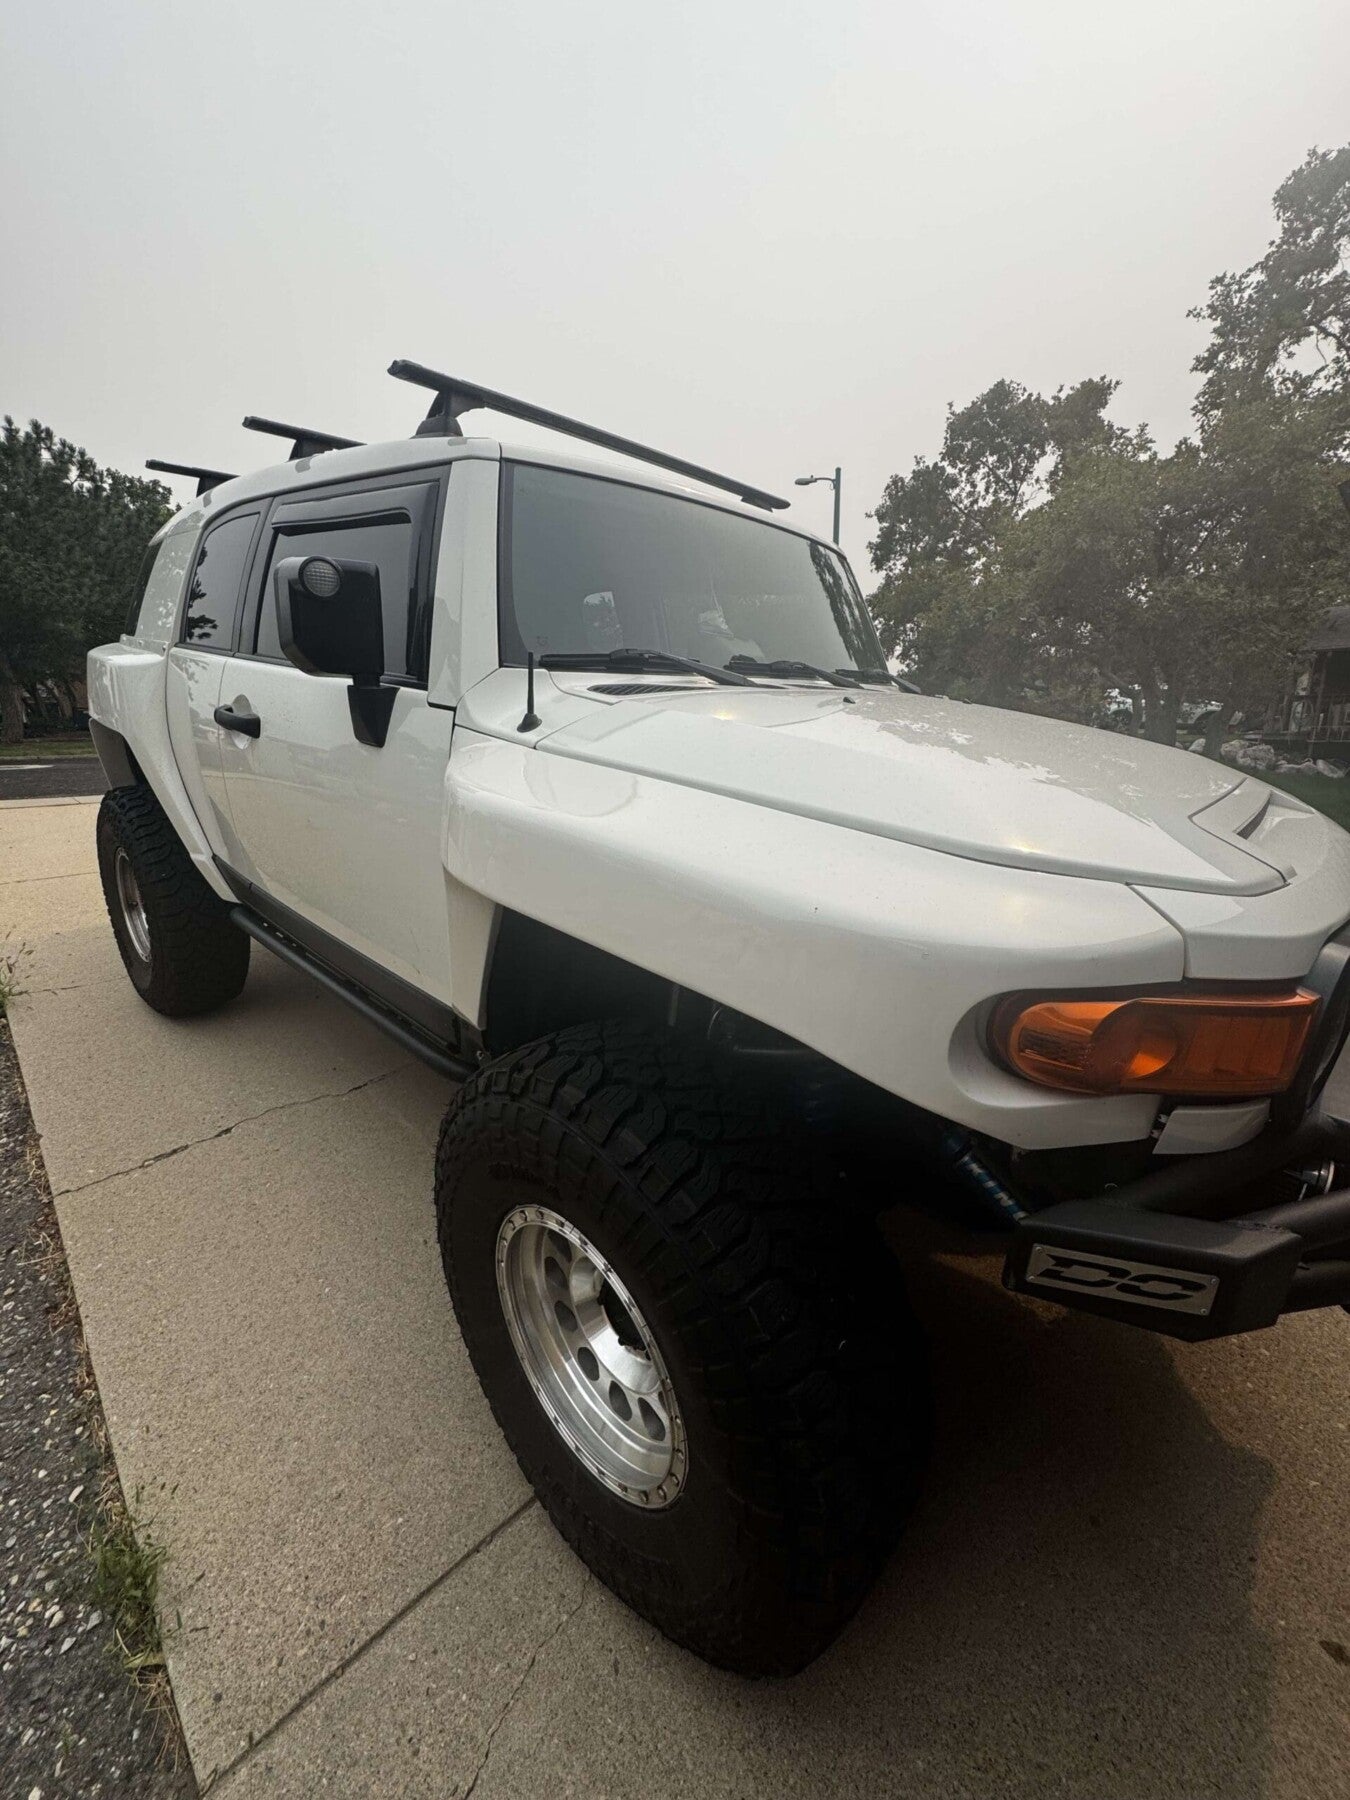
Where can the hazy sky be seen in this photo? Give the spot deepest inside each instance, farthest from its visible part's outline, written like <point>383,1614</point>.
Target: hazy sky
<point>769,237</point>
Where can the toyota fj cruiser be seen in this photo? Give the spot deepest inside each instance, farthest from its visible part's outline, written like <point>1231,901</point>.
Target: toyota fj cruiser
<point>596,793</point>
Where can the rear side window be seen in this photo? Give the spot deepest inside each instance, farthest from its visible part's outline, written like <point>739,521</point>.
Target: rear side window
<point>154,611</point>
<point>138,592</point>
<point>213,592</point>
<point>386,539</point>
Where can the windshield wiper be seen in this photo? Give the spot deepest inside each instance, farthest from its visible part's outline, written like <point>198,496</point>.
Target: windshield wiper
<point>884,677</point>
<point>786,667</point>
<point>637,661</point>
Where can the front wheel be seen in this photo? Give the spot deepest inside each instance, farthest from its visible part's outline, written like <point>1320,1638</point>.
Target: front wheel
<point>699,1353</point>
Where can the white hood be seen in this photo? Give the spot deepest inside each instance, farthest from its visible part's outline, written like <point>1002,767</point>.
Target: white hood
<point>998,787</point>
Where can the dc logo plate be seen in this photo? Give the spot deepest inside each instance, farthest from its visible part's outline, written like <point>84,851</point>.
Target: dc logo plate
<point>1073,1272</point>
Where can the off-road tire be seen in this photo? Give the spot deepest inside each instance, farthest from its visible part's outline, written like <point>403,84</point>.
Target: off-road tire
<point>198,959</point>
<point>776,1308</point>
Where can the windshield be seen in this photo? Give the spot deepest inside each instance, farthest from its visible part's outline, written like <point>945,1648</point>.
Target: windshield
<point>593,565</point>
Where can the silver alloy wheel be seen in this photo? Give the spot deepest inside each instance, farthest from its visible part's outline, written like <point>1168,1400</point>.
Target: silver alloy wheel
<point>133,907</point>
<point>590,1357</point>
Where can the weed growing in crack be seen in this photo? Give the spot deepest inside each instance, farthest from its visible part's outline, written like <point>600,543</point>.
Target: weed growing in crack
<point>127,1561</point>
<point>12,956</point>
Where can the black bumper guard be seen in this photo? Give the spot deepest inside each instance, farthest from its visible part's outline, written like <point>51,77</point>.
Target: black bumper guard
<point>1175,1251</point>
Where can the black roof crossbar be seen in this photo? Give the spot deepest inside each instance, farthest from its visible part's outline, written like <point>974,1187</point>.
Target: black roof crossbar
<point>206,479</point>
<point>304,441</point>
<point>454,396</point>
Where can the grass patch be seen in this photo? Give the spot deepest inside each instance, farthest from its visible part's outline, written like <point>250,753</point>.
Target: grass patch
<point>1328,795</point>
<point>47,749</point>
<point>12,956</point>
<point>126,1565</point>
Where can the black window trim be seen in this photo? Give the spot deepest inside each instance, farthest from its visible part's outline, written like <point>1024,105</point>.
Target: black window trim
<point>434,477</point>
<point>243,510</point>
<point>506,504</point>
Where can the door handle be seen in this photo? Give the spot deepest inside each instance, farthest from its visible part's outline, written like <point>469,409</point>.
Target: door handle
<point>249,723</point>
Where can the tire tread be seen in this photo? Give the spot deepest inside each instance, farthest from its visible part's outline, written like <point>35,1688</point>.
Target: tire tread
<point>199,956</point>
<point>787,1301</point>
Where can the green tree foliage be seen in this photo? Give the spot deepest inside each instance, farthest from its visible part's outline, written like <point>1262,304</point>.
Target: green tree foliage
<point>1284,323</point>
<point>1195,575</point>
<point>953,601</point>
<point>72,536</point>
<point>1048,558</point>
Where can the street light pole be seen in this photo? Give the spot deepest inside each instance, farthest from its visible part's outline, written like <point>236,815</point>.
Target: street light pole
<point>836,481</point>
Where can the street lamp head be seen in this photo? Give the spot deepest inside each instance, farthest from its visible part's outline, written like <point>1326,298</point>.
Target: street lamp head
<point>806,480</point>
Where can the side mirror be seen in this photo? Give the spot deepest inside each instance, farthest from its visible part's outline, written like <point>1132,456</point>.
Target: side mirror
<point>329,622</point>
<point>329,618</point>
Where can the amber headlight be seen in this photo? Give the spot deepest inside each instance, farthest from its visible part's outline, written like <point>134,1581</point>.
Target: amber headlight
<point>1203,1045</point>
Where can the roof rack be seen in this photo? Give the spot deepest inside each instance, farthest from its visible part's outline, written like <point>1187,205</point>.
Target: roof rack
<point>453,397</point>
<point>305,442</point>
<point>206,479</point>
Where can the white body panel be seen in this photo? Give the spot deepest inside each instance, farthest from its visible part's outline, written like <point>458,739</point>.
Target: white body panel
<point>1004,788</point>
<point>127,692</point>
<point>865,871</point>
<point>191,694</point>
<point>339,831</point>
<point>876,953</point>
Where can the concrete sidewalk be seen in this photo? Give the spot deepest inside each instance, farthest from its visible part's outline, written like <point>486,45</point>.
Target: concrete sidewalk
<point>1129,1576</point>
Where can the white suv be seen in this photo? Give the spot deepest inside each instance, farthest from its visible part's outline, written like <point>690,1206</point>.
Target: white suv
<point>597,794</point>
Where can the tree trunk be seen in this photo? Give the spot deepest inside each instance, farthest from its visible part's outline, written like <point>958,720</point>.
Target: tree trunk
<point>1162,716</point>
<point>1216,729</point>
<point>1148,695</point>
<point>11,705</point>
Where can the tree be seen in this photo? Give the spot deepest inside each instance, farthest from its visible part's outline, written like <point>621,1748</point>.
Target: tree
<point>1284,323</point>
<point>1196,575</point>
<point>951,602</point>
<point>72,536</point>
<point>1049,558</point>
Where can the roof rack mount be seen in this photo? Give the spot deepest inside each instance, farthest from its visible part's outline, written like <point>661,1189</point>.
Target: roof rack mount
<point>304,441</point>
<point>206,479</point>
<point>453,397</point>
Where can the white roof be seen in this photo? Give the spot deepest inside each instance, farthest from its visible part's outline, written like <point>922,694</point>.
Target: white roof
<point>430,452</point>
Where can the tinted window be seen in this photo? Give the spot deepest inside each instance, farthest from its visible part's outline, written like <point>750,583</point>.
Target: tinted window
<point>590,564</point>
<point>213,592</point>
<point>388,542</point>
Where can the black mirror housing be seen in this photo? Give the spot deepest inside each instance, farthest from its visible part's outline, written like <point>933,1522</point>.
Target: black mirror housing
<point>329,619</point>
<point>330,622</point>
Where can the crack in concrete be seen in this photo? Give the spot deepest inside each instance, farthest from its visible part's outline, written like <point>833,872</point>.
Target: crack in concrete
<point>525,1674</point>
<point>160,1156</point>
<point>214,1777</point>
<point>24,880</point>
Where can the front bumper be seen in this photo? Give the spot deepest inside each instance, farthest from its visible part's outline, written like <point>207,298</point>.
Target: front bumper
<point>1184,1276</point>
<point>1191,1251</point>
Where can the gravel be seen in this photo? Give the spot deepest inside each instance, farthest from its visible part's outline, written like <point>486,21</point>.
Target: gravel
<point>71,1722</point>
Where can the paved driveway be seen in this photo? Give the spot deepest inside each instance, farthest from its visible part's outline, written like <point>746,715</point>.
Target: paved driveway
<point>1129,1577</point>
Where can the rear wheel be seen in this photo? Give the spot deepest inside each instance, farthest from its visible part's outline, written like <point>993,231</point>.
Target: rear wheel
<point>700,1355</point>
<point>177,942</point>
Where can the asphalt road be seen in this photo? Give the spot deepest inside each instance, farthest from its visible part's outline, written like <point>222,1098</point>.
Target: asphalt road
<point>56,779</point>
